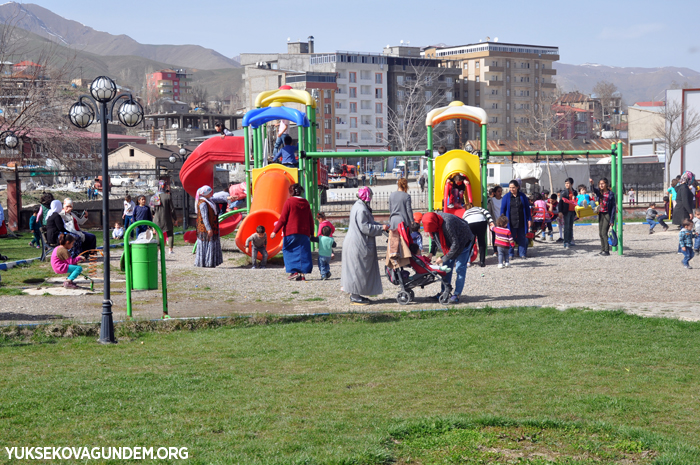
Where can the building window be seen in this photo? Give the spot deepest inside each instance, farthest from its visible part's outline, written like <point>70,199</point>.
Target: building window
<point>365,75</point>
<point>466,65</point>
<point>326,124</point>
<point>400,94</point>
<point>494,134</point>
<point>399,79</point>
<point>378,108</point>
<point>477,79</point>
<point>353,77</point>
<point>494,106</point>
<point>337,105</point>
<point>379,138</point>
<point>542,65</point>
<point>131,152</point>
<point>537,80</point>
<point>507,119</point>
<point>353,122</point>
<point>477,65</point>
<point>353,107</point>
<point>507,78</point>
<point>353,92</point>
<point>353,137</point>
<point>366,105</point>
<point>378,78</point>
<point>379,123</point>
<point>507,63</point>
<point>494,119</point>
<point>494,91</point>
<point>378,93</point>
<point>507,106</point>
<point>327,94</point>
<point>448,80</point>
<point>399,109</point>
<point>507,92</point>
<point>428,94</point>
<point>536,93</point>
<point>327,109</point>
<point>537,65</point>
<point>477,93</point>
<point>448,95</point>
<point>327,139</point>
<point>491,172</point>
<point>337,136</point>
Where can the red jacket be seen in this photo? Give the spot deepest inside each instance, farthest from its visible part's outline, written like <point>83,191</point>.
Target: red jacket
<point>296,218</point>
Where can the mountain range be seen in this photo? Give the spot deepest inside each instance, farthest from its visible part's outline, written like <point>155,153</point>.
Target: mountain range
<point>95,53</point>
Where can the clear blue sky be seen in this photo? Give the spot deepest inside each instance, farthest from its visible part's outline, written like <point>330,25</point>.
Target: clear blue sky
<point>640,33</point>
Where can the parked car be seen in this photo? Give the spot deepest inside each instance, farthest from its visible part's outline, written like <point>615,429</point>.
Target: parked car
<point>117,180</point>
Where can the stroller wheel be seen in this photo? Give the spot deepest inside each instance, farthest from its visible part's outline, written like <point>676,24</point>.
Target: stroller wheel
<point>412,294</point>
<point>403,297</point>
<point>444,297</point>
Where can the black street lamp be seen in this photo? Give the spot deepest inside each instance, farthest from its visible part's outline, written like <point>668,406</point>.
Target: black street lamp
<point>94,107</point>
<point>174,158</point>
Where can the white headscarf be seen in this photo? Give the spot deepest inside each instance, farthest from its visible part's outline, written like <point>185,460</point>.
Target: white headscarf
<point>201,192</point>
<point>56,206</point>
<point>67,201</point>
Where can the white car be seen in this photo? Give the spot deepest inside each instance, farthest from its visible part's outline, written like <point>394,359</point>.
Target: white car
<point>120,180</point>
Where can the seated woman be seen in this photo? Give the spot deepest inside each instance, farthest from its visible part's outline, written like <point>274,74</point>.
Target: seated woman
<point>63,220</point>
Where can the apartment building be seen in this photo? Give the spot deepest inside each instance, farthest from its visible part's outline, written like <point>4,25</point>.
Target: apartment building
<point>359,103</point>
<point>504,79</point>
<point>425,83</point>
<point>167,83</point>
<point>323,87</point>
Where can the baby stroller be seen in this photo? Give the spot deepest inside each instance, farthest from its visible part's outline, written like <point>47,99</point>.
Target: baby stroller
<point>423,276</point>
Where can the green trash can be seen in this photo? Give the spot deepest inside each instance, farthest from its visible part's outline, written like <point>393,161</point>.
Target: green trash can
<point>144,265</point>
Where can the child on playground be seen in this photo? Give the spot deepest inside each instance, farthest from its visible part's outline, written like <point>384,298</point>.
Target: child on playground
<point>63,263</point>
<point>583,199</point>
<point>416,252</point>
<point>142,212</point>
<point>35,227</point>
<point>631,198</point>
<point>325,252</point>
<point>553,205</point>
<point>504,241</point>
<point>118,231</point>
<point>685,243</point>
<point>457,187</point>
<point>653,218</point>
<point>128,215</point>
<point>541,216</point>
<point>416,236</point>
<point>696,229</point>
<point>322,221</point>
<point>257,243</point>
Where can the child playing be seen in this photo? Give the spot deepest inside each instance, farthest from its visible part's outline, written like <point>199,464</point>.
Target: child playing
<point>540,217</point>
<point>504,241</point>
<point>118,232</point>
<point>631,196</point>
<point>696,229</point>
<point>415,251</point>
<point>62,263</point>
<point>325,252</point>
<point>257,243</point>
<point>583,199</point>
<point>128,215</point>
<point>553,205</point>
<point>416,236</point>
<point>456,191</point>
<point>653,218</point>
<point>322,221</point>
<point>686,243</point>
<point>142,212</point>
<point>35,227</point>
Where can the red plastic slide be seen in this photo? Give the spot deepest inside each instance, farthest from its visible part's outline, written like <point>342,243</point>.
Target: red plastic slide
<point>199,168</point>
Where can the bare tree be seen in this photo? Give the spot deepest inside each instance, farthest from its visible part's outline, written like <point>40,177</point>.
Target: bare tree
<point>544,120</point>
<point>606,94</point>
<point>678,128</point>
<point>198,96</point>
<point>420,92</point>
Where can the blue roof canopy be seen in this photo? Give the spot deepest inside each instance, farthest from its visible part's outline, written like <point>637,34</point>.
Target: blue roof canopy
<point>259,116</point>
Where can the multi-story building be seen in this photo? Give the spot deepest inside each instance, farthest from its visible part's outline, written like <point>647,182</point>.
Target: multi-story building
<point>573,123</point>
<point>359,102</point>
<point>504,79</point>
<point>606,115</point>
<point>423,84</point>
<point>167,83</point>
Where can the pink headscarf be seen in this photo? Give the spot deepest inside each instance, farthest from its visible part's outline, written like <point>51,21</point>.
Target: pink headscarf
<point>365,194</point>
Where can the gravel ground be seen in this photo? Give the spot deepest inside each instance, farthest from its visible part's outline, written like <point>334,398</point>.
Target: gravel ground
<point>643,282</point>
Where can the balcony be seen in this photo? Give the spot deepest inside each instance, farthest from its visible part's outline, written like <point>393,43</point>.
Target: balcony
<point>549,72</point>
<point>549,85</point>
<point>493,83</point>
<point>494,69</point>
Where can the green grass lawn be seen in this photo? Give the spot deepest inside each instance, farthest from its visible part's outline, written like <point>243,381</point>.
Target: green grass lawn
<point>478,386</point>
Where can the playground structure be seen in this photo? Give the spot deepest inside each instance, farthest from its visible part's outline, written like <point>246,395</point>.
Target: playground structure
<point>273,180</point>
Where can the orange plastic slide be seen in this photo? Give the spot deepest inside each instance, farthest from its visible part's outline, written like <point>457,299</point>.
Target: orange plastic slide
<point>271,188</point>
<point>198,169</point>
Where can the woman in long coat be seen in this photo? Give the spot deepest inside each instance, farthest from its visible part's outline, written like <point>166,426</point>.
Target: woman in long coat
<point>297,224</point>
<point>360,275</point>
<point>684,199</point>
<point>208,253</point>
<point>163,212</point>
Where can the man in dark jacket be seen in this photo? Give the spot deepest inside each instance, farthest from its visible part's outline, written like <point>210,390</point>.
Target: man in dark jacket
<point>567,208</point>
<point>607,209</point>
<point>516,206</point>
<point>684,199</point>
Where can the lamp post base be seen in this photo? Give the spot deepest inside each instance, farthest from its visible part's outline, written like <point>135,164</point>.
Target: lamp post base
<point>107,325</point>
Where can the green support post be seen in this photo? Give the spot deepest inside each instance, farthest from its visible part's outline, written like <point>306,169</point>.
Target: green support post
<point>613,183</point>
<point>429,153</point>
<point>247,169</point>
<point>620,188</point>
<point>128,270</point>
<point>260,148</point>
<point>484,160</point>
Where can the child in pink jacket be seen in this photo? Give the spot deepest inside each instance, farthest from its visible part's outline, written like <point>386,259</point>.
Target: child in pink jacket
<point>63,263</point>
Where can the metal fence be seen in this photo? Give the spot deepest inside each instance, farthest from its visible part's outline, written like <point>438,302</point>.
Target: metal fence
<point>644,195</point>
<point>340,201</point>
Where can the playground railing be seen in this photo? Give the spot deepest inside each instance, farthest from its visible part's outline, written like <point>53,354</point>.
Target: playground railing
<point>340,201</point>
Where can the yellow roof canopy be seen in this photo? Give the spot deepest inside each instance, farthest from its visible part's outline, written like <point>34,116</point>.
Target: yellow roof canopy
<point>282,95</point>
<point>456,110</point>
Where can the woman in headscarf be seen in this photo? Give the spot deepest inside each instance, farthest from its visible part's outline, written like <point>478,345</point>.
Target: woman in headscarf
<point>360,275</point>
<point>456,241</point>
<point>72,223</point>
<point>208,253</point>
<point>684,199</point>
<point>45,201</point>
<point>297,225</point>
<point>54,222</point>
<point>516,206</point>
<point>164,212</point>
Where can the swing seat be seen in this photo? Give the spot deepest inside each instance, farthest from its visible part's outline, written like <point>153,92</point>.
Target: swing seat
<point>583,212</point>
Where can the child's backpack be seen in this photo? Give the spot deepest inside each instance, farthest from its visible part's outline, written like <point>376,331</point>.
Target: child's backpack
<point>612,237</point>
